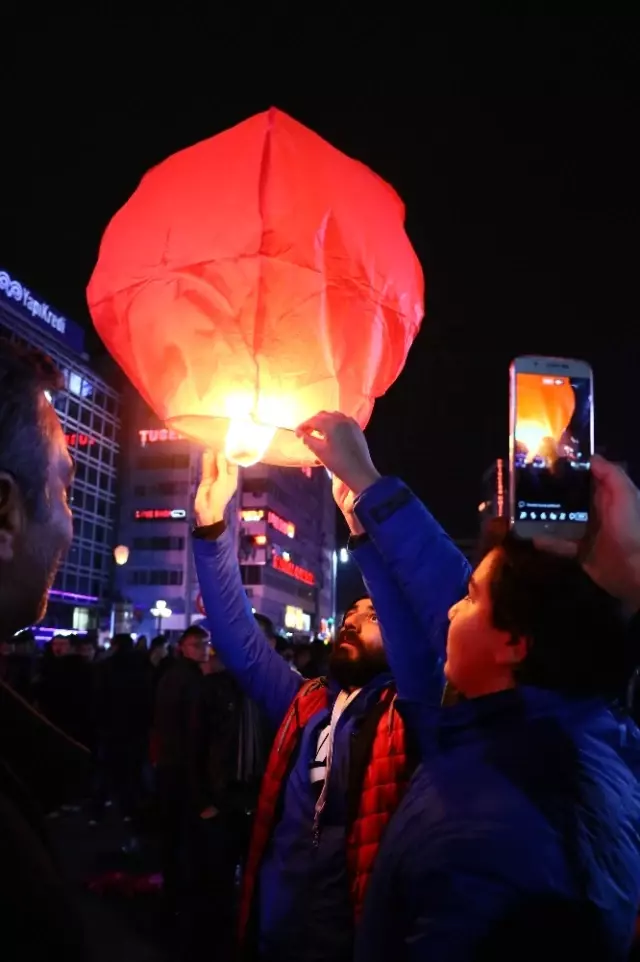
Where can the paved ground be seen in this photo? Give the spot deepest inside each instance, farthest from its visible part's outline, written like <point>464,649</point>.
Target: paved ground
<point>119,929</point>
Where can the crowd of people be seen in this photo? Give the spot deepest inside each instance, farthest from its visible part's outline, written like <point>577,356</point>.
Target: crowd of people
<point>461,784</point>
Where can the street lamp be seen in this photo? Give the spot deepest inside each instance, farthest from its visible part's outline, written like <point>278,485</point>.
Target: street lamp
<point>161,611</point>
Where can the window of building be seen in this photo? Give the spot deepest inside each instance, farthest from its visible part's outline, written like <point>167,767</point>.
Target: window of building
<point>162,577</point>
<point>251,574</point>
<point>159,543</point>
<point>162,462</point>
<point>80,619</point>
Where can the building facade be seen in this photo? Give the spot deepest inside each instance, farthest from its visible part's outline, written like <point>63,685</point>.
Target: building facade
<point>283,524</point>
<point>89,411</point>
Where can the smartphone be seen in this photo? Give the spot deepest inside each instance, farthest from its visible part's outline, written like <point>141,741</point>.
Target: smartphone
<point>550,447</point>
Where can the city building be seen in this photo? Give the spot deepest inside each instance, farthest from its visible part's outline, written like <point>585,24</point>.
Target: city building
<point>89,411</point>
<point>283,524</point>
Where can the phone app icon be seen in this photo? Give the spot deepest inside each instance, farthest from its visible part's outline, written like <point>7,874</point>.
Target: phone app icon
<point>553,516</point>
<point>533,516</point>
<point>523,515</point>
<point>544,515</point>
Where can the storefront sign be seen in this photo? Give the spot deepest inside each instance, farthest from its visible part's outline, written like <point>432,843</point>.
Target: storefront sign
<point>284,527</point>
<point>153,435</point>
<point>13,290</point>
<point>79,440</point>
<point>160,514</point>
<point>255,514</point>
<point>293,570</point>
<point>296,619</point>
<point>249,516</point>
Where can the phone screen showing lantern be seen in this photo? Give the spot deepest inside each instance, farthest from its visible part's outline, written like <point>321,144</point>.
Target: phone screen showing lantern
<point>552,448</point>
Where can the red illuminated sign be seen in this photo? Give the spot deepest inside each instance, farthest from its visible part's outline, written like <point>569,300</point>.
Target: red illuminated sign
<point>160,514</point>
<point>158,434</point>
<point>284,527</point>
<point>293,570</point>
<point>81,440</point>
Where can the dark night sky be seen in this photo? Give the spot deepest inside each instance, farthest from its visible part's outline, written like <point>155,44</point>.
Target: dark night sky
<point>513,143</point>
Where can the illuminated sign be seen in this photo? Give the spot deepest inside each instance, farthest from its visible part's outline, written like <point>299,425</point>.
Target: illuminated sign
<point>284,527</point>
<point>249,516</point>
<point>81,440</point>
<point>293,570</point>
<point>160,514</point>
<point>296,619</point>
<point>158,434</point>
<point>15,291</point>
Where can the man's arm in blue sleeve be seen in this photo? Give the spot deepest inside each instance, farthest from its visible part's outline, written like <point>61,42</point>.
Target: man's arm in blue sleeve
<point>430,572</point>
<point>245,652</point>
<point>416,666</point>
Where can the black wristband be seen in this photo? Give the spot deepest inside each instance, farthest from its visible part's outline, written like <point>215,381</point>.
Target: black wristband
<point>209,532</point>
<point>356,540</point>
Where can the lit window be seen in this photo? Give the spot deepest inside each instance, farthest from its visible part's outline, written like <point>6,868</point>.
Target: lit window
<point>75,383</point>
<point>80,619</point>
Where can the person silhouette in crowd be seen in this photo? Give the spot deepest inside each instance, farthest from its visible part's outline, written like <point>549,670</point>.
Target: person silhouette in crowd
<point>340,760</point>
<point>520,831</point>
<point>176,697</point>
<point>228,748</point>
<point>37,762</point>
<point>23,663</point>
<point>124,713</point>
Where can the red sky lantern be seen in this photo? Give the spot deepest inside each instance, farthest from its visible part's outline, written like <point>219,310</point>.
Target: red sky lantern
<point>254,279</point>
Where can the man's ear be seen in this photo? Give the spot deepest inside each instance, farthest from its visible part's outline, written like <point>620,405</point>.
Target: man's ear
<point>513,652</point>
<point>11,516</point>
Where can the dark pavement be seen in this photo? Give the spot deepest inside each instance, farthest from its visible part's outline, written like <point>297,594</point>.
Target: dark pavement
<point>119,927</point>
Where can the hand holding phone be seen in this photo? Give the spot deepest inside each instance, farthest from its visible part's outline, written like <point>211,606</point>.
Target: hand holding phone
<point>611,552</point>
<point>551,446</point>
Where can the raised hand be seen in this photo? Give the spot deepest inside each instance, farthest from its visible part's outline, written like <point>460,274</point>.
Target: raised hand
<point>611,552</point>
<point>218,485</point>
<point>339,442</point>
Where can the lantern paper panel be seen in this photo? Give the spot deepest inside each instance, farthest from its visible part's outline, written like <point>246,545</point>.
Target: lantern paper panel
<point>254,279</point>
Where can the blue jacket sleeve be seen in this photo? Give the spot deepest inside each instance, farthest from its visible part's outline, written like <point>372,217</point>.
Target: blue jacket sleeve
<point>429,574</point>
<point>402,634</point>
<point>245,652</point>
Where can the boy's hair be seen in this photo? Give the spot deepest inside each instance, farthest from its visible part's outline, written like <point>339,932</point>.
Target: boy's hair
<point>576,631</point>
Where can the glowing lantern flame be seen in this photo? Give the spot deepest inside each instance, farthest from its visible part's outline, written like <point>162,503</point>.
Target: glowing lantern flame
<point>247,442</point>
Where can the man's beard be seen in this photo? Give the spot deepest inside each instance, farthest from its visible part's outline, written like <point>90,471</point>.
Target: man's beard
<point>355,671</point>
<point>26,584</point>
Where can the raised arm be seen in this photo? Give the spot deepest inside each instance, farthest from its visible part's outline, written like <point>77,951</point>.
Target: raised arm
<point>243,648</point>
<point>413,571</point>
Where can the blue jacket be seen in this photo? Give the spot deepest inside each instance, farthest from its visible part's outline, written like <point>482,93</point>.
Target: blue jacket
<point>521,826</point>
<point>304,904</point>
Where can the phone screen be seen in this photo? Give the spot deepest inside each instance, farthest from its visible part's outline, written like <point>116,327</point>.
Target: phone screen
<point>552,448</point>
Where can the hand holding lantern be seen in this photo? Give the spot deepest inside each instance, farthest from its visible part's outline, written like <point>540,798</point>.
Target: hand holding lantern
<point>339,442</point>
<point>217,487</point>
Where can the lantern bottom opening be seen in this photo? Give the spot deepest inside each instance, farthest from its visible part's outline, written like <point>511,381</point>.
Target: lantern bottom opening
<point>284,449</point>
